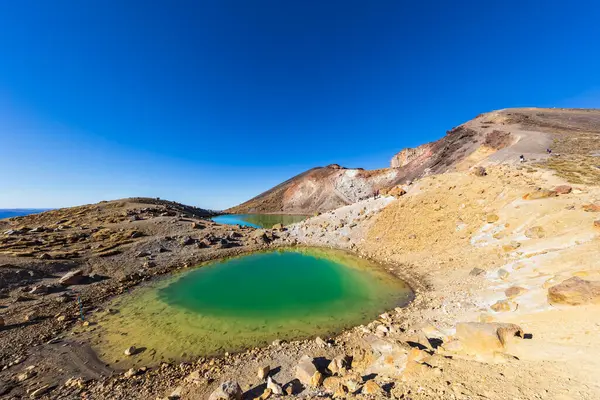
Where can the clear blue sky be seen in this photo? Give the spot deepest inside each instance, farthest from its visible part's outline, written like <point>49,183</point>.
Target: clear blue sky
<point>211,102</point>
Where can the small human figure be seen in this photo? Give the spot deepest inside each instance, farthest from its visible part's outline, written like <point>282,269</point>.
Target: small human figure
<point>522,158</point>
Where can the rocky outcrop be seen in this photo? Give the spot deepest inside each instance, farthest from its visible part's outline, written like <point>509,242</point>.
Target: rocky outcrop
<point>408,155</point>
<point>488,138</point>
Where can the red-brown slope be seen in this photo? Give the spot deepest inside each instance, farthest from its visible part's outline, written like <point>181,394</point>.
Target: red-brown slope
<point>495,137</point>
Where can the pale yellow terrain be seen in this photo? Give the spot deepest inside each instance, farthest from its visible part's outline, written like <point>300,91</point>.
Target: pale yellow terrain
<point>446,225</point>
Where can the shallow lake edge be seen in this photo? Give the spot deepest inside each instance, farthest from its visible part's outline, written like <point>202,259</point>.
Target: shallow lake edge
<point>385,268</point>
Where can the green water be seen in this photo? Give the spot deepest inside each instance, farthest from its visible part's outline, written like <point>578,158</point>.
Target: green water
<point>247,302</point>
<point>258,220</point>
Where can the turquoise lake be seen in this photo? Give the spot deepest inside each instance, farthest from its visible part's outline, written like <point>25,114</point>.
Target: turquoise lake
<point>258,220</point>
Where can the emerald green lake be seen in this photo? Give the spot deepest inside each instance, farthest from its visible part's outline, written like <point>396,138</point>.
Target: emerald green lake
<point>248,301</point>
<point>258,220</point>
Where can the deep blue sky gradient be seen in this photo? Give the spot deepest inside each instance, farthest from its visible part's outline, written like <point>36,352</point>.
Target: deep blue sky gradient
<point>212,102</point>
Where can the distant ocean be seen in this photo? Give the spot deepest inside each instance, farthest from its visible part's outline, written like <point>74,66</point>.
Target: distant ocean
<point>17,212</point>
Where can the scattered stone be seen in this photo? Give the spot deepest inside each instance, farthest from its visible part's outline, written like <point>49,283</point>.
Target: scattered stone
<point>563,189</point>
<point>397,191</point>
<point>504,306</point>
<point>265,394</point>
<point>278,227</point>
<point>476,272</point>
<point>478,171</point>
<point>28,374</point>
<point>503,274</point>
<point>379,356</point>
<point>72,278</point>
<point>597,223</point>
<point>381,330</point>
<point>339,365</point>
<point>263,372</point>
<point>331,384</point>
<point>196,225</point>
<point>143,254</point>
<point>131,350</point>
<point>39,289</point>
<point>575,291</point>
<point>307,373</point>
<point>1,322</point>
<point>371,388</point>
<point>41,391</point>
<point>353,382</point>
<point>130,373</point>
<point>75,383</point>
<point>175,394</point>
<point>540,194</point>
<point>228,390</point>
<point>320,342</point>
<point>535,232</point>
<point>591,207</point>
<point>195,378</point>
<point>31,316</point>
<point>514,291</point>
<point>513,245</point>
<point>491,218</point>
<point>274,387</point>
<point>187,241</point>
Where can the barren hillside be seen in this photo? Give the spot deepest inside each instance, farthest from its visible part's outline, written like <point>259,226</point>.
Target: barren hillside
<point>490,138</point>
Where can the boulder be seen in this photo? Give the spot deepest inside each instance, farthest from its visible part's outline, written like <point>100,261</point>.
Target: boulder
<point>275,387</point>
<point>320,342</point>
<point>228,390</point>
<point>339,365</point>
<point>563,189</point>
<point>332,384</point>
<point>535,232</point>
<point>514,291</point>
<point>597,223</point>
<point>353,382</point>
<point>380,356</point>
<point>263,372</point>
<point>575,291</point>
<point>307,373</point>
<point>72,278</point>
<point>484,339</point>
<point>371,388</point>
<point>278,227</point>
<point>131,350</point>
